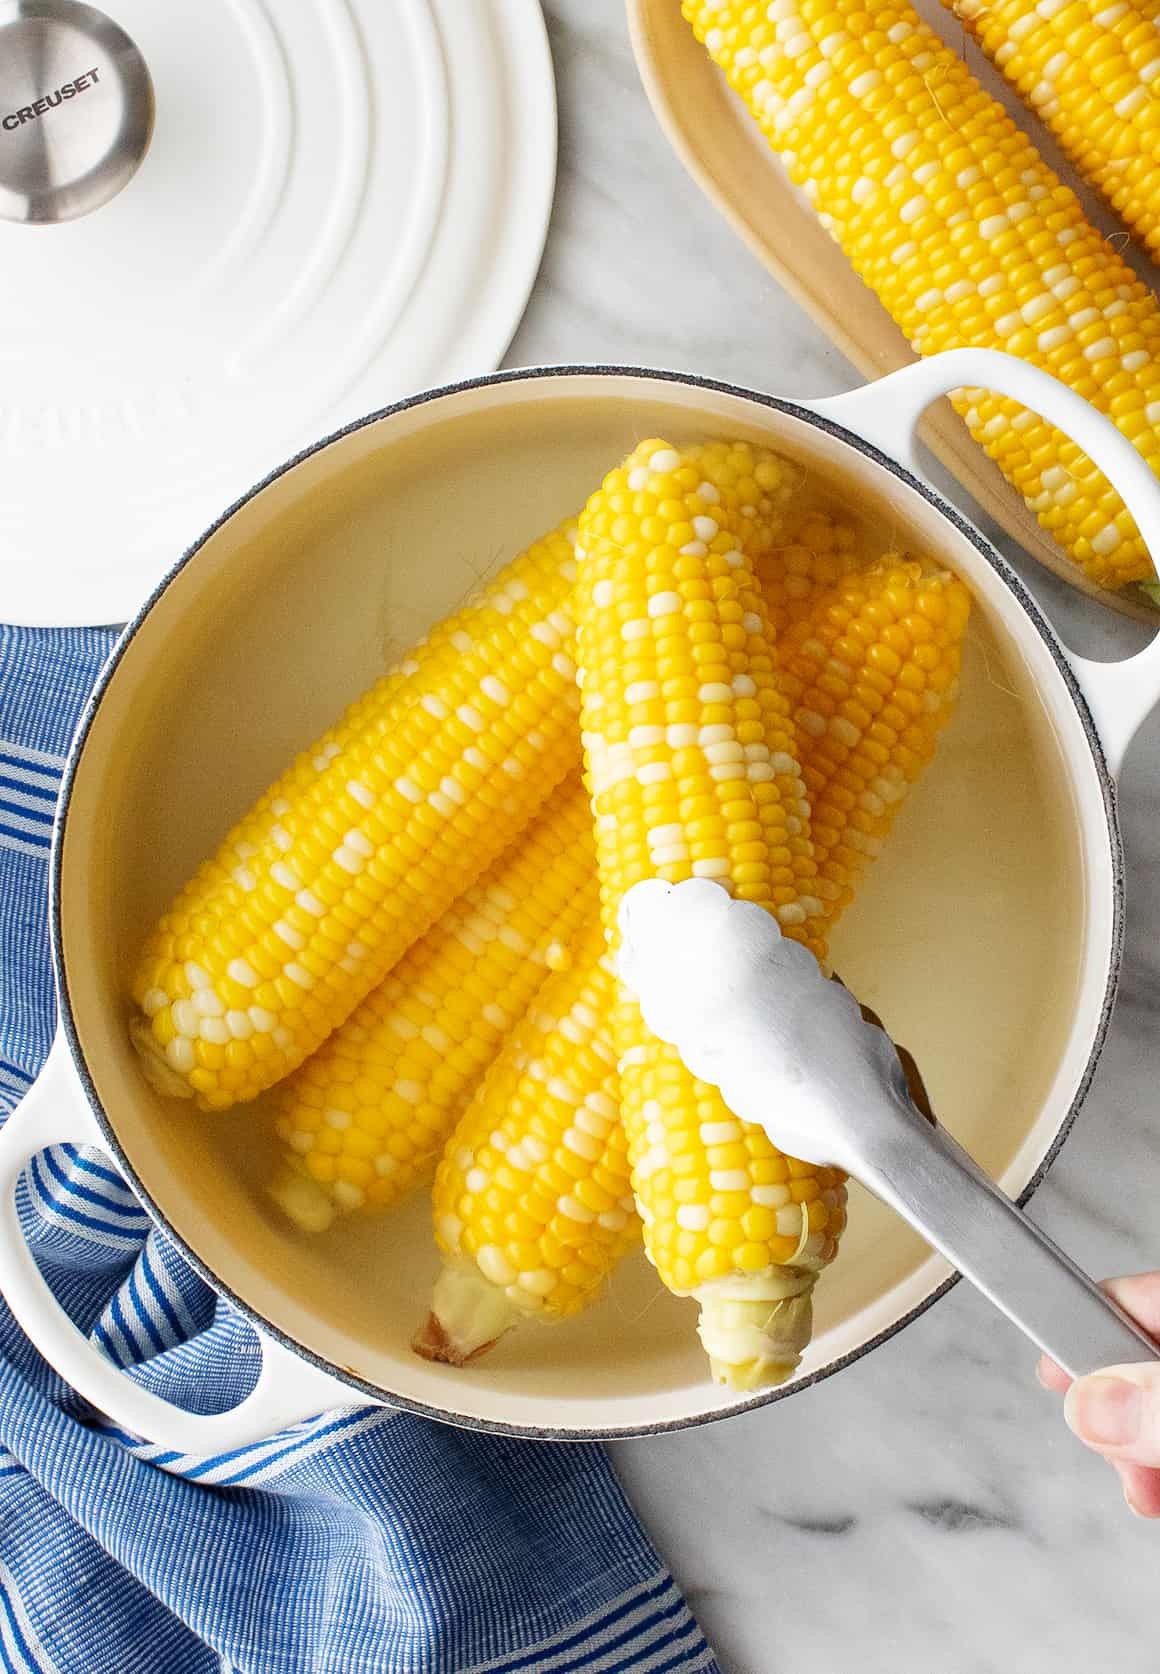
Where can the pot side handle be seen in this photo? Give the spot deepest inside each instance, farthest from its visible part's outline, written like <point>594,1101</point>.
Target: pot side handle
<point>886,414</point>
<point>289,1389</point>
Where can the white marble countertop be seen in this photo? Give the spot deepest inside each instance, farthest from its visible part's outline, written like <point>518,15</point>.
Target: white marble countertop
<point>926,1509</point>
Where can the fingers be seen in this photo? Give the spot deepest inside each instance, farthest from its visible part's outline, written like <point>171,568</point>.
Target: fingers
<point>1141,1488</point>
<point>1138,1295</point>
<point>1141,1485</point>
<point>1052,1377</point>
<point>1117,1412</point>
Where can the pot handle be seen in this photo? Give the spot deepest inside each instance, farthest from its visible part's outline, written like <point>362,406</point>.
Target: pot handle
<point>55,1110</point>
<point>886,414</point>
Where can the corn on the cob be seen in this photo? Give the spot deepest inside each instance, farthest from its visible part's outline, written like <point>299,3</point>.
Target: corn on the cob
<point>471,1306</point>
<point>1091,70</point>
<point>871,677</point>
<point>948,213</point>
<point>356,851</point>
<point>821,549</point>
<point>338,1152</point>
<point>692,767</point>
<point>470,1309</point>
<point>533,1202</point>
<point>421,785</point>
<point>364,1117</point>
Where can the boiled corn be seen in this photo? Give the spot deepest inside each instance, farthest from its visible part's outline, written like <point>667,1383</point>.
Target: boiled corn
<point>1091,71</point>
<point>691,763</point>
<point>490,1213</point>
<point>951,217</point>
<point>872,678</point>
<point>354,1148</point>
<point>365,1116</point>
<point>363,843</point>
<point>476,1301</point>
<point>533,1202</point>
<point>821,549</point>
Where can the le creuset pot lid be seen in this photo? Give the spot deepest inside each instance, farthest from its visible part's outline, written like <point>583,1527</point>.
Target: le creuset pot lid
<point>227,228</point>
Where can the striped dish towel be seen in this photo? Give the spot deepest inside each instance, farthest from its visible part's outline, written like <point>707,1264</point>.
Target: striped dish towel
<point>360,1542</point>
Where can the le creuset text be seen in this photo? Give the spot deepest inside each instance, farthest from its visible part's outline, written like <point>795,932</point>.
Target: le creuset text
<point>69,90</point>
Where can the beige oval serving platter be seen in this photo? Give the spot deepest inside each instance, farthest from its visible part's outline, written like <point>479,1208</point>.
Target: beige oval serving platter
<point>726,154</point>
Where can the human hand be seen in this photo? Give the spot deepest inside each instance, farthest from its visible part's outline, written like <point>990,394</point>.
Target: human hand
<point>1117,1412</point>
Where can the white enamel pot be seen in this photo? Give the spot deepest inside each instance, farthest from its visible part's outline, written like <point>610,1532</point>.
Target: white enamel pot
<point>988,936</point>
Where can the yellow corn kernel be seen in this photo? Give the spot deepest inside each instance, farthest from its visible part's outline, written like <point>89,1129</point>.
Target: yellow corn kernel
<point>516,1234</point>
<point>822,548</point>
<point>406,1062</point>
<point>1089,70</point>
<point>949,214</point>
<point>469,1312</point>
<point>855,797</point>
<point>632,603</point>
<point>369,836</point>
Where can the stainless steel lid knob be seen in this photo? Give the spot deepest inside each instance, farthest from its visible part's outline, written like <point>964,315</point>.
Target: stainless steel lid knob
<point>76,110</point>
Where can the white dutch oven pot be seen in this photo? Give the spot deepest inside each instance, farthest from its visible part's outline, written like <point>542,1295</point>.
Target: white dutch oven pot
<point>988,936</point>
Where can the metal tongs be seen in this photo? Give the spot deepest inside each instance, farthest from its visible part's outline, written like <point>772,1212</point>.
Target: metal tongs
<point>751,1012</point>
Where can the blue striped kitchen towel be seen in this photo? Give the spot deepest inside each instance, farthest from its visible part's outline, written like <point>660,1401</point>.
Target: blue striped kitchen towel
<point>360,1542</point>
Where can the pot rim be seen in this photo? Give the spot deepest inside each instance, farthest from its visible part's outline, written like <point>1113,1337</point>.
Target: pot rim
<point>521,375</point>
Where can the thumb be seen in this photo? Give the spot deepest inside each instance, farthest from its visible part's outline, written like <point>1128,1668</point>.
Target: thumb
<point>1117,1412</point>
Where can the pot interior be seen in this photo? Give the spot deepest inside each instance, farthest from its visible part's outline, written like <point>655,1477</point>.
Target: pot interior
<point>981,937</point>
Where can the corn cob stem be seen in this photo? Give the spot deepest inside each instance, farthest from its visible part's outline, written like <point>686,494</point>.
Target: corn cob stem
<point>755,1329</point>
<point>469,1314</point>
<point>363,843</point>
<point>950,216</point>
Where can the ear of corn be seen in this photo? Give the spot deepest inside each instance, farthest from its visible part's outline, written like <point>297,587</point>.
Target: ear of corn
<point>1091,70</point>
<point>498,1212</point>
<point>793,575</point>
<point>691,762</point>
<point>354,1139</point>
<point>947,212</point>
<point>366,1115</point>
<point>533,1202</point>
<point>476,1204</point>
<point>871,677</point>
<point>756,484</point>
<point>373,832</point>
